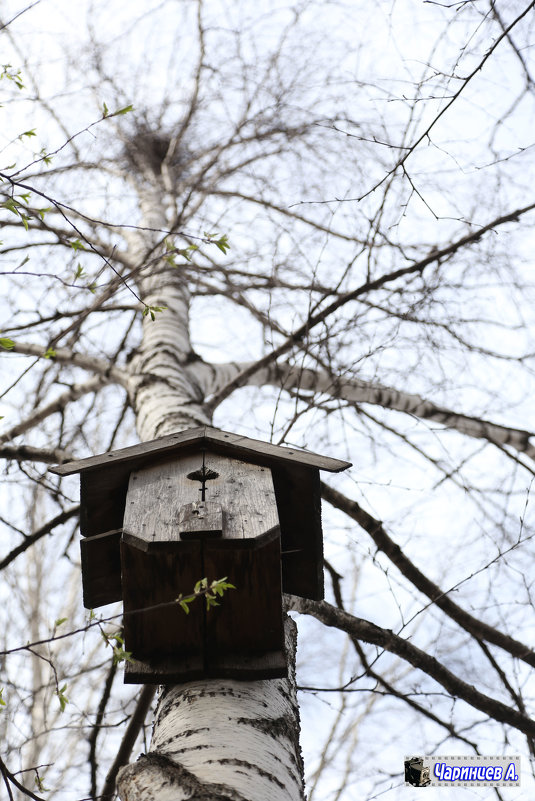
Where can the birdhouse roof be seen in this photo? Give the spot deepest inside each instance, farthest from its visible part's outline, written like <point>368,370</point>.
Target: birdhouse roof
<point>104,478</point>
<point>125,460</point>
<point>104,482</point>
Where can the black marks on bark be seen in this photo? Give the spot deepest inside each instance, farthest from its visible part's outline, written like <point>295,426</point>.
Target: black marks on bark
<point>278,728</point>
<point>249,767</point>
<point>152,770</point>
<point>274,727</point>
<point>164,745</point>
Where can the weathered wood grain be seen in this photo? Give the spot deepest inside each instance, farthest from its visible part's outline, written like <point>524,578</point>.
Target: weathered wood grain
<point>200,519</point>
<point>158,493</point>
<point>249,619</point>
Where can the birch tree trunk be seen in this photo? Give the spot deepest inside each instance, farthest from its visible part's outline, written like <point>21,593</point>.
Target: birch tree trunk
<point>213,740</point>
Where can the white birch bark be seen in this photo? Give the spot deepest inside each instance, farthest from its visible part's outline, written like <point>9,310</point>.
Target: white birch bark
<point>213,740</point>
<point>164,396</point>
<point>212,378</point>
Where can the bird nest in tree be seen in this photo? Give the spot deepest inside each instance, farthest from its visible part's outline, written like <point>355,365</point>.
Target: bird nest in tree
<point>147,150</point>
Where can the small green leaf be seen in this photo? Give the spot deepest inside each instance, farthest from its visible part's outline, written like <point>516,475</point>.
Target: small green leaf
<point>62,698</point>
<point>119,652</point>
<point>10,205</point>
<point>12,75</point>
<point>184,604</point>
<point>120,655</point>
<point>76,245</point>
<point>152,311</point>
<point>6,343</point>
<point>79,271</point>
<point>220,585</point>
<point>185,601</point>
<point>186,252</point>
<point>60,621</point>
<point>45,157</point>
<point>222,243</point>
<point>106,114</point>
<point>210,592</point>
<point>50,353</point>
<point>29,133</point>
<point>40,786</point>
<point>2,702</point>
<point>211,601</point>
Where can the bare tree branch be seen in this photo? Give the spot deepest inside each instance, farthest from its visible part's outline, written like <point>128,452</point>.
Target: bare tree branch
<point>58,405</point>
<point>217,377</point>
<point>389,641</point>
<point>47,528</point>
<point>129,739</point>
<point>26,453</point>
<point>388,686</point>
<point>439,597</point>
<point>76,359</point>
<point>314,319</point>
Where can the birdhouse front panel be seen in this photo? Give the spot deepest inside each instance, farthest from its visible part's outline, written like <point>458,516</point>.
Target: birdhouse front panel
<point>155,626</point>
<point>162,496</point>
<point>202,515</point>
<point>246,633</point>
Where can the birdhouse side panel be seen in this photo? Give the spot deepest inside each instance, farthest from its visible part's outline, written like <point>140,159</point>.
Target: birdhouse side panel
<point>298,493</point>
<point>101,569</point>
<point>101,508</point>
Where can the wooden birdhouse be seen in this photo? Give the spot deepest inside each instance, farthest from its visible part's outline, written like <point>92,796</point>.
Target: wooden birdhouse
<point>159,516</point>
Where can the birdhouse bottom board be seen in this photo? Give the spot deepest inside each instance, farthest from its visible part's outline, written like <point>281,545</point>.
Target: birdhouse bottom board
<point>242,638</point>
